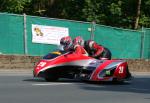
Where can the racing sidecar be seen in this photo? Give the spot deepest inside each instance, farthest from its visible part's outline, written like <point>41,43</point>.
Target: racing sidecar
<point>60,64</point>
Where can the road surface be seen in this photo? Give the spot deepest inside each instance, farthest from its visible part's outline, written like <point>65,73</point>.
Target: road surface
<point>23,88</point>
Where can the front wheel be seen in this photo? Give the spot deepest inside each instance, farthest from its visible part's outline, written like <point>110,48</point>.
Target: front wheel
<point>51,78</point>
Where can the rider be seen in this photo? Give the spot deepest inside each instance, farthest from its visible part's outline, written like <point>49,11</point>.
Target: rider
<point>66,42</point>
<point>97,51</point>
<point>74,46</point>
<point>78,43</point>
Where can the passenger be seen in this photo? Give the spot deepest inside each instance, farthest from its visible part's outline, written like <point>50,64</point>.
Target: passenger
<point>97,51</point>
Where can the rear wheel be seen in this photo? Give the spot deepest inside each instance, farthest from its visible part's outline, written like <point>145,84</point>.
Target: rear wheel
<point>117,81</point>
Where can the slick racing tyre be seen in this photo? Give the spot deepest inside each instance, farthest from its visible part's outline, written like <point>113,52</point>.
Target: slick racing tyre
<point>51,78</point>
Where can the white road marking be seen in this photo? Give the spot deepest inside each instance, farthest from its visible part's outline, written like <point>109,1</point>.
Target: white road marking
<point>142,89</point>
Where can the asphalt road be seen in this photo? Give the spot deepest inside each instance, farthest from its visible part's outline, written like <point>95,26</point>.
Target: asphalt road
<point>23,88</point>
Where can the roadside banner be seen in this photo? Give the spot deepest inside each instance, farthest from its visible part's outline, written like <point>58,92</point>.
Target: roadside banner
<point>48,34</point>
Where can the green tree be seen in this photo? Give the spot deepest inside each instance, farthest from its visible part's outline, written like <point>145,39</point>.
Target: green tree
<point>138,12</point>
<point>120,13</point>
<point>13,6</point>
<point>144,19</point>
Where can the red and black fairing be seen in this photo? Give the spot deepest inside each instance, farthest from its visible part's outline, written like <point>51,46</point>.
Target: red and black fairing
<point>57,65</point>
<point>62,65</point>
<point>109,70</point>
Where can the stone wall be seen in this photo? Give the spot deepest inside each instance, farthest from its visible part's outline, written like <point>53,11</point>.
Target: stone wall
<point>18,62</point>
<point>28,62</point>
<point>139,65</point>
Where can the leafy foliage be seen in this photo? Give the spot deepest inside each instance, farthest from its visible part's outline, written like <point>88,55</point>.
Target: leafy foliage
<point>13,6</point>
<point>119,13</point>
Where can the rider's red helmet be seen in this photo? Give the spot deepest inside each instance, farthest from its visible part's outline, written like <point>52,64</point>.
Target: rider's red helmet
<point>90,43</point>
<point>78,40</point>
<point>66,42</point>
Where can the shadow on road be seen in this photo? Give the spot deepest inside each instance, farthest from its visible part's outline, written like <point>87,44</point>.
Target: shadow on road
<point>34,80</point>
<point>60,80</point>
<point>137,85</point>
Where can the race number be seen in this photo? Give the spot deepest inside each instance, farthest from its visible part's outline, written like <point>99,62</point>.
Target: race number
<point>41,64</point>
<point>121,68</point>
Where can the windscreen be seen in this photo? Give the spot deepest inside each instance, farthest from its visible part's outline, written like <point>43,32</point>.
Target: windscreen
<point>53,54</point>
<point>50,56</point>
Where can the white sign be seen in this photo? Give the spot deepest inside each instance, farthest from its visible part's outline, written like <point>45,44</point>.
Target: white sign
<point>48,34</point>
